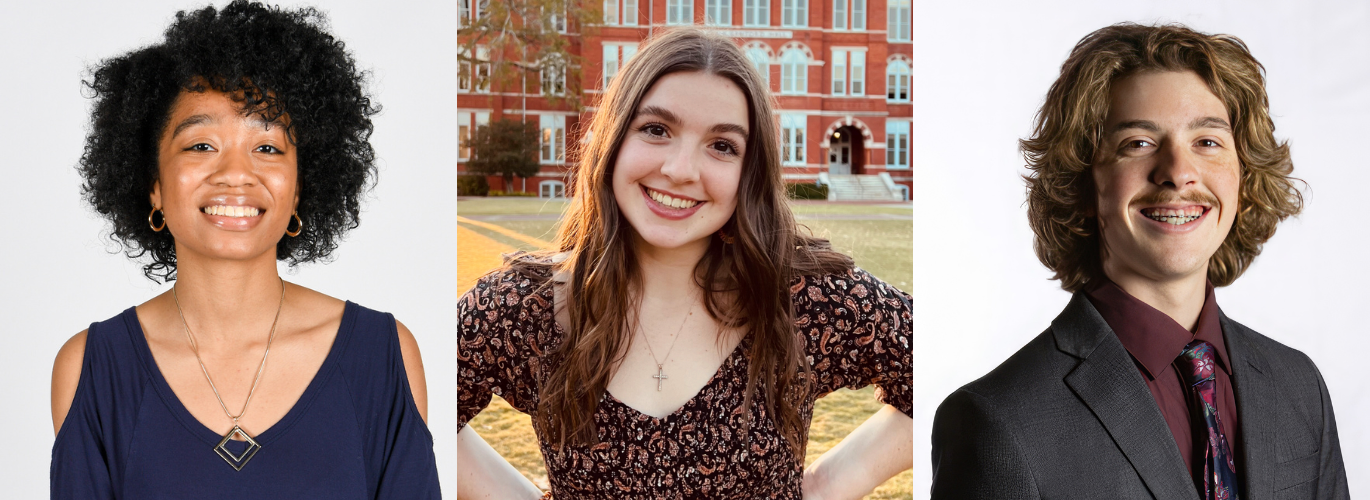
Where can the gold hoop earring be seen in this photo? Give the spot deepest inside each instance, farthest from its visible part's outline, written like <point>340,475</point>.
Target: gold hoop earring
<point>298,228</point>
<point>727,239</point>
<point>156,228</point>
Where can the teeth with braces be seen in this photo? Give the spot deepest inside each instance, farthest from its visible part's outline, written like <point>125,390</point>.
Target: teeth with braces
<point>231,211</point>
<point>670,201</point>
<point>1175,217</point>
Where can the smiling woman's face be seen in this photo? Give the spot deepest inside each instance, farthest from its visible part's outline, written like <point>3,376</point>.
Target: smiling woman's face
<point>677,171</point>
<point>226,182</point>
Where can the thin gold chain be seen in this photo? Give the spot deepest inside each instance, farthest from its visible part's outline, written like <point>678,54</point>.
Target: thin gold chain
<point>688,312</point>
<point>194,348</point>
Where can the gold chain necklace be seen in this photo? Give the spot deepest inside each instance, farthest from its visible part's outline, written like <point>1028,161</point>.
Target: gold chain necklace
<point>237,461</point>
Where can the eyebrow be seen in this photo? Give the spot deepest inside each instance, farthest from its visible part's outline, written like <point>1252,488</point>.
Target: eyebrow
<point>1210,122</point>
<point>1150,126</point>
<point>191,121</point>
<point>673,119</point>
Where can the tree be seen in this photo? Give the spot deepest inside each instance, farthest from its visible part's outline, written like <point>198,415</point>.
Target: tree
<point>505,148</point>
<point>524,40</point>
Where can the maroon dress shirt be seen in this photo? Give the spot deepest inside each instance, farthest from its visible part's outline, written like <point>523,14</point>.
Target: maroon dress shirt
<point>1155,341</point>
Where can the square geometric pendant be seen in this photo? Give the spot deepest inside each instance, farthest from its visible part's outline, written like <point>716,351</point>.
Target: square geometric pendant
<point>237,461</point>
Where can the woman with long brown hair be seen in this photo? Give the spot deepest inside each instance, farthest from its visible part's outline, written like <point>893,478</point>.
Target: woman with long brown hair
<point>673,344</point>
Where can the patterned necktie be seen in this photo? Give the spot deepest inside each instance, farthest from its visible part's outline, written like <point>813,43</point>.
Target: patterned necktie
<point>1219,472</point>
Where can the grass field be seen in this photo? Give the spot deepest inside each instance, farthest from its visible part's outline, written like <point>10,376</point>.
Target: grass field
<point>883,246</point>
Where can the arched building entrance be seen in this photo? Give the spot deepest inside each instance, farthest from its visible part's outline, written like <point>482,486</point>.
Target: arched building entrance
<point>846,151</point>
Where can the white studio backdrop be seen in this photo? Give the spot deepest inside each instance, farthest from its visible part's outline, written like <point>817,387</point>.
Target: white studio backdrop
<point>57,274</point>
<point>980,75</point>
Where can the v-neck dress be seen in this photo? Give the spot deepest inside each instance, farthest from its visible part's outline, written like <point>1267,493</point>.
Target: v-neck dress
<point>355,433</point>
<point>855,330</point>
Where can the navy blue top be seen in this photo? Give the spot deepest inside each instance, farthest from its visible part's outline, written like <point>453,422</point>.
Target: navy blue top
<point>354,433</point>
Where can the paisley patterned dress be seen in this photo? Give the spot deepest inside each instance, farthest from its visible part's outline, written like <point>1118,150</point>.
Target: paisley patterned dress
<point>856,331</point>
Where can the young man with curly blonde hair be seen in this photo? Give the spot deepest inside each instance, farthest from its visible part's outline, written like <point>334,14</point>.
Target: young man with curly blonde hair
<point>1154,176</point>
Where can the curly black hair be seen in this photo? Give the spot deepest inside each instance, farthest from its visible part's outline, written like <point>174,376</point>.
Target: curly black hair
<point>281,62</point>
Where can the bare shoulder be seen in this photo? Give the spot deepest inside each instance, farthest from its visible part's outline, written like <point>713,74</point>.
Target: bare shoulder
<point>413,368</point>
<point>66,376</point>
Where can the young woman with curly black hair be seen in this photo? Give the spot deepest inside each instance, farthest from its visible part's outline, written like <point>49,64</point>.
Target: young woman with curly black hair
<point>239,141</point>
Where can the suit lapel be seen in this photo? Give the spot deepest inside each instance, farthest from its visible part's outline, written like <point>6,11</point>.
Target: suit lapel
<point>1254,390</point>
<point>1108,382</point>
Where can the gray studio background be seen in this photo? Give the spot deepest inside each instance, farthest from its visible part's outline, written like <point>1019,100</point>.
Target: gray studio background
<point>981,71</point>
<point>980,74</point>
<point>58,275</point>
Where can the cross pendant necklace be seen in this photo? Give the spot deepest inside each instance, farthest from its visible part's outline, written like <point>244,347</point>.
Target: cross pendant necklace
<point>661,372</point>
<point>660,375</point>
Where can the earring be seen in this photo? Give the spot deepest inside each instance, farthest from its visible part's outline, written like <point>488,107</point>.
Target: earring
<point>727,239</point>
<point>156,228</point>
<point>299,227</point>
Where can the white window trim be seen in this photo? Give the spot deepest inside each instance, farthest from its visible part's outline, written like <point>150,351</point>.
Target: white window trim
<point>800,78</point>
<point>801,14</point>
<point>557,124</point>
<point>796,146</point>
<point>685,7</point>
<point>724,7</point>
<point>893,130</point>
<point>891,18</point>
<point>763,10</point>
<point>890,67</point>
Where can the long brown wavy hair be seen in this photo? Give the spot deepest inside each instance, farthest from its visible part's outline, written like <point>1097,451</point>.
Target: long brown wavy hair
<point>1069,129</point>
<point>746,284</point>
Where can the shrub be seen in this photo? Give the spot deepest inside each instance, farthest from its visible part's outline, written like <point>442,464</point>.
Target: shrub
<point>511,193</point>
<point>806,191</point>
<point>472,185</point>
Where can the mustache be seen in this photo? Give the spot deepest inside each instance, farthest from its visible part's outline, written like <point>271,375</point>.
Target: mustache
<point>1164,198</point>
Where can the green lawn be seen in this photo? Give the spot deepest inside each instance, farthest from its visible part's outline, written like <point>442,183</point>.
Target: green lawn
<point>882,247</point>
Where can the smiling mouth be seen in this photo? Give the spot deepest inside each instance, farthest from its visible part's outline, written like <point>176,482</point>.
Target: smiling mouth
<point>232,211</point>
<point>1178,217</point>
<point>670,201</point>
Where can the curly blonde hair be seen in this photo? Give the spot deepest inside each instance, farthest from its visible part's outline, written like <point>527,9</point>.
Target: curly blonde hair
<point>1069,129</point>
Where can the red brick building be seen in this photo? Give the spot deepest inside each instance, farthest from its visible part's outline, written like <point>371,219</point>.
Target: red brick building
<point>841,71</point>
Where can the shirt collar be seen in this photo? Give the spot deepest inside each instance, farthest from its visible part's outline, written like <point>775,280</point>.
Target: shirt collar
<point>1150,336</point>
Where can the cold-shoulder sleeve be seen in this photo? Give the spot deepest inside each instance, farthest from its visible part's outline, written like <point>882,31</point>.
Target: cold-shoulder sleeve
<point>858,332</point>
<point>502,322</point>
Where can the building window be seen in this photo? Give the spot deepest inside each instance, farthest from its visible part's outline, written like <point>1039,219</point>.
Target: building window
<point>794,68</point>
<point>553,76</point>
<point>718,12</point>
<point>794,13</point>
<point>762,61</point>
<point>620,12</point>
<point>680,12</point>
<point>896,144</point>
<point>474,75</point>
<point>845,60</point>
<point>551,189</point>
<point>464,75</point>
<point>900,21</point>
<point>841,9</point>
<point>463,135</point>
<point>615,56</point>
<point>858,72</point>
<point>482,70</point>
<point>756,13</point>
<point>465,129</point>
<point>792,128</point>
<point>558,22</point>
<point>839,72</point>
<point>898,77</point>
<point>553,138</point>
<point>469,11</point>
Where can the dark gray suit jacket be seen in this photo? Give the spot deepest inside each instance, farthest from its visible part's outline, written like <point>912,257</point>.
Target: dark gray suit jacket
<point>1069,416</point>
